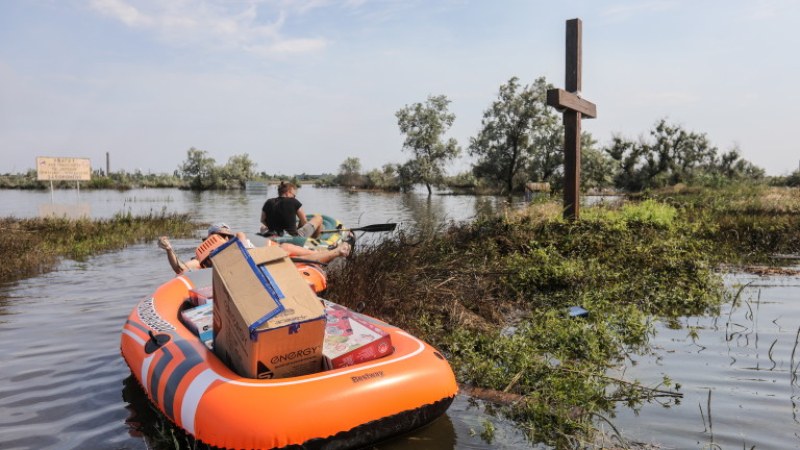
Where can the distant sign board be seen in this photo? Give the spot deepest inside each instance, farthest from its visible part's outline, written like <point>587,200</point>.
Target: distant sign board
<point>67,169</point>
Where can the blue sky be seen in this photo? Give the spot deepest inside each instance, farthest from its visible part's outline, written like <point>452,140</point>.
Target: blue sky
<point>302,85</point>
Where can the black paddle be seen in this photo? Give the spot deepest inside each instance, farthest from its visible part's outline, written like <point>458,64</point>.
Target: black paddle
<point>367,229</point>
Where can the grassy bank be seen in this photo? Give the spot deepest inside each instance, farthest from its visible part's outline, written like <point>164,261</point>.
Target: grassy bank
<point>748,224</point>
<point>494,295</point>
<point>32,246</point>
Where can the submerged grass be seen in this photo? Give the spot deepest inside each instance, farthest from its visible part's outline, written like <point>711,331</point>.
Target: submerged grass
<point>494,295</point>
<point>33,246</point>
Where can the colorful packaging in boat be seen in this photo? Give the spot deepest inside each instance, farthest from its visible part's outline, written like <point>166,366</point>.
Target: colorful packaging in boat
<point>350,340</point>
<point>200,320</point>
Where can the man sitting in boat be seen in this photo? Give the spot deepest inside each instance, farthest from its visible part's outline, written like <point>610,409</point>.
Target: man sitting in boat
<point>220,233</point>
<point>278,215</point>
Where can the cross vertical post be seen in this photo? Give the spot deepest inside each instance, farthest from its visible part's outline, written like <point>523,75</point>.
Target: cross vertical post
<point>574,108</point>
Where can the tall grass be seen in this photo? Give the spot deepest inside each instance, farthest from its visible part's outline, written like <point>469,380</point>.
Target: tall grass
<point>747,223</point>
<point>32,246</point>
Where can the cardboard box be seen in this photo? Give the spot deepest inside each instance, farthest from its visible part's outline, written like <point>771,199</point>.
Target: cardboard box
<point>201,295</point>
<point>349,339</point>
<point>200,321</point>
<point>268,323</point>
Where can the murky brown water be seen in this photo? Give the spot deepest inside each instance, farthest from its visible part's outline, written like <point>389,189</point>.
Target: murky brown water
<point>64,385</point>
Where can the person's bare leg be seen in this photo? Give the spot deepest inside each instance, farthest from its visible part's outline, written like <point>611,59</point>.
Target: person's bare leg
<point>320,256</point>
<point>317,222</point>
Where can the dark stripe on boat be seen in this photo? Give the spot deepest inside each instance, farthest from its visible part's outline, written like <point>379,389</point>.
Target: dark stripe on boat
<point>158,370</point>
<point>137,325</point>
<point>192,360</point>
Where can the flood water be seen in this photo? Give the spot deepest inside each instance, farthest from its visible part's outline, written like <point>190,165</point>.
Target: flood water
<point>64,385</point>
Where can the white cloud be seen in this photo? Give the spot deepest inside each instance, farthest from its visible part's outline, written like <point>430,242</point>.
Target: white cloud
<point>122,11</point>
<point>238,25</point>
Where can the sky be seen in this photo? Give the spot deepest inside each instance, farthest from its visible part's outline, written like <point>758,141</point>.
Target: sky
<point>301,85</point>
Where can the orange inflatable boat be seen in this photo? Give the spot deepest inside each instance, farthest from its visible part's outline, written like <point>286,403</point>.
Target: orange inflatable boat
<point>347,407</point>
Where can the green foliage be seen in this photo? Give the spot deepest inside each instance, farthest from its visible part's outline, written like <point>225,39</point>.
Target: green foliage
<point>522,139</point>
<point>504,286</point>
<point>649,212</point>
<point>350,173</point>
<point>793,180</point>
<point>121,180</point>
<point>488,431</point>
<point>517,128</point>
<point>25,180</point>
<point>744,221</point>
<point>424,126</point>
<point>238,170</point>
<point>597,169</point>
<point>202,173</point>
<point>385,179</point>
<point>673,156</point>
<point>199,169</point>
<point>635,254</point>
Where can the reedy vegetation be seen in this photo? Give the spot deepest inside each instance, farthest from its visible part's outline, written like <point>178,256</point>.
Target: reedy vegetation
<point>33,246</point>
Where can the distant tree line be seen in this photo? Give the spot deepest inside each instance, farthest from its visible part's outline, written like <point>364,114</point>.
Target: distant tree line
<point>201,172</point>
<point>120,180</point>
<point>521,139</point>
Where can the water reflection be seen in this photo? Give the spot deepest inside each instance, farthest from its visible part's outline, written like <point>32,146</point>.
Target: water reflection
<point>439,434</point>
<point>733,397</point>
<point>426,213</point>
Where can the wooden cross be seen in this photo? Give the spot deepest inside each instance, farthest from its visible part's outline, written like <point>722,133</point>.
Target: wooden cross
<point>574,107</point>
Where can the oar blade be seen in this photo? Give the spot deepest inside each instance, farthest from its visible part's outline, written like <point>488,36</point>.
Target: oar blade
<point>378,227</point>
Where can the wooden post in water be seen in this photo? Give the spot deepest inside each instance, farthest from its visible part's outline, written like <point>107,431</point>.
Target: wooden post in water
<point>574,107</point>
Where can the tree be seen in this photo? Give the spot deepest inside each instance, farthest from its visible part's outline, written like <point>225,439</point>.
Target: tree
<point>597,169</point>
<point>521,137</point>
<point>384,178</point>
<point>731,166</point>
<point>793,179</point>
<point>199,169</point>
<point>424,125</point>
<point>674,155</point>
<point>406,175</point>
<point>239,170</point>
<point>350,172</point>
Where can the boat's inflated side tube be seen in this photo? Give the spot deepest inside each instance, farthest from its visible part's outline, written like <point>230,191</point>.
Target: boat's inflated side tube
<point>342,408</point>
